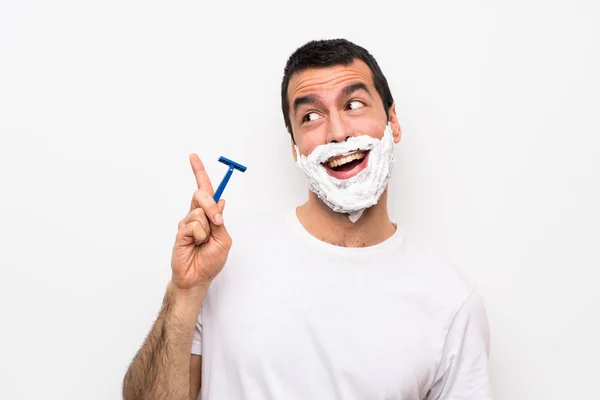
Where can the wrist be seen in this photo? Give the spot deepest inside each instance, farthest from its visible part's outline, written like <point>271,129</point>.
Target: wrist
<point>188,294</point>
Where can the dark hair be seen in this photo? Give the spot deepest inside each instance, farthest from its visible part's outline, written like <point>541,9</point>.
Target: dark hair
<point>327,53</point>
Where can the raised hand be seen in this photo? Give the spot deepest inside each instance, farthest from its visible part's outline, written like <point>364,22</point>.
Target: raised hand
<point>202,243</point>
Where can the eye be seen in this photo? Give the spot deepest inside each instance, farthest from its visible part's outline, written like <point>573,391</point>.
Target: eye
<point>312,116</point>
<point>355,105</point>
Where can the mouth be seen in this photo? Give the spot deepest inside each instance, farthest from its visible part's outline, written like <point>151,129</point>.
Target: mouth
<point>348,165</point>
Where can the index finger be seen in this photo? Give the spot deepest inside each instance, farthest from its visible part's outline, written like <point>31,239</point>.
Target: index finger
<point>202,179</point>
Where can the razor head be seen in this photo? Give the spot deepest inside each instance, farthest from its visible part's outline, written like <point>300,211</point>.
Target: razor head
<point>231,163</point>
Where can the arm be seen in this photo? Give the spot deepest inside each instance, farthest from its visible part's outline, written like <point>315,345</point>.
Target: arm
<point>463,370</point>
<point>162,367</point>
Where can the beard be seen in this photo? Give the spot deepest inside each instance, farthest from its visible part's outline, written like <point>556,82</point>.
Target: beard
<point>353,195</point>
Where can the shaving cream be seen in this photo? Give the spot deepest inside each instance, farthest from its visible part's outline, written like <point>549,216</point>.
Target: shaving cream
<point>353,195</point>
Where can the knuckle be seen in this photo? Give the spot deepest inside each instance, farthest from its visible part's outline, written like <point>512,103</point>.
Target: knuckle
<point>201,219</point>
<point>204,200</point>
<point>188,227</point>
<point>180,235</point>
<point>196,198</point>
<point>204,197</point>
<point>198,228</point>
<point>200,195</point>
<point>198,213</point>
<point>195,226</point>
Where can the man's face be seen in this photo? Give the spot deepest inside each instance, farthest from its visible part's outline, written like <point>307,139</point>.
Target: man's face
<point>334,103</point>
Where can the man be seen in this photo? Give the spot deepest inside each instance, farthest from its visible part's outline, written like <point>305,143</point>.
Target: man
<point>337,302</point>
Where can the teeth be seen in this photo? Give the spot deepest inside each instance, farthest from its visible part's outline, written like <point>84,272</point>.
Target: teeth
<point>344,160</point>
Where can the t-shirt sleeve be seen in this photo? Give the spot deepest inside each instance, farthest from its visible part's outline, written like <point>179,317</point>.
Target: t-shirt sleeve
<point>463,371</point>
<point>197,340</point>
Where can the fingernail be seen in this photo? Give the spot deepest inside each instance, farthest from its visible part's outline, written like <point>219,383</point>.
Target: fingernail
<point>218,219</point>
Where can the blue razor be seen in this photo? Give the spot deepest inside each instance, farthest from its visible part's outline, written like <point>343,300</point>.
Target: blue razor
<point>232,166</point>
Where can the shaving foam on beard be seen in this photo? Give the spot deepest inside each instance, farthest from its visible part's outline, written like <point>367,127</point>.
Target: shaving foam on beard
<point>353,195</point>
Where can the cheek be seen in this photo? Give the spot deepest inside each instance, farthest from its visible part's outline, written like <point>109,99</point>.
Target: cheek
<point>369,119</point>
<point>370,127</point>
<point>309,140</point>
<point>306,147</point>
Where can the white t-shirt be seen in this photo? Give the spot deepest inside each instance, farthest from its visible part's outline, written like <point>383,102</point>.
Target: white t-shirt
<point>291,317</point>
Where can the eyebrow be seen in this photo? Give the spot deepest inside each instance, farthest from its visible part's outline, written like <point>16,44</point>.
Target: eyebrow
<point>308,99</point>
<point>350,89</point>
<point>345,92</point>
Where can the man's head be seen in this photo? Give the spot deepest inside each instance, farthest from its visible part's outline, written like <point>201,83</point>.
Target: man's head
<point>324,68</point>
<point>340,113</point>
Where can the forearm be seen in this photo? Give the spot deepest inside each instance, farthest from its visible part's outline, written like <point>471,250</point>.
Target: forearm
<point>160,370</point>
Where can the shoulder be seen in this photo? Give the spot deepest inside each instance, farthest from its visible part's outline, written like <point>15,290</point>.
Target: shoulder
<point>450,300</point>
<point>438,278</point>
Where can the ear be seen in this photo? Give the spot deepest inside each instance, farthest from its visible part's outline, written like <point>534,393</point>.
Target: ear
<point>293,148</point>
<point>396,130</point>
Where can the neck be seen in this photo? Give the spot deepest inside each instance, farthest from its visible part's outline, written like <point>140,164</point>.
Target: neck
<point>373,227</point>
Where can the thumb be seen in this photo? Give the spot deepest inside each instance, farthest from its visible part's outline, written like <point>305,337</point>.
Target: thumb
<point>221,205</point>
<point>219,232</point>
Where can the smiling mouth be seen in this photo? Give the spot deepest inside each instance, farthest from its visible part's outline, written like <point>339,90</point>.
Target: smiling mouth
<point>347,162</point>
<point>346,166</point>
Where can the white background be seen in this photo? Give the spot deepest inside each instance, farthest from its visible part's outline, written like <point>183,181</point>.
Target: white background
<point>101,103</point>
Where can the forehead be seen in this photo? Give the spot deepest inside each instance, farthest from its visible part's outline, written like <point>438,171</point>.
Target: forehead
<point>332,78</point>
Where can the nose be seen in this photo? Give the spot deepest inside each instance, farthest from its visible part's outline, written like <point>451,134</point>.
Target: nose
<point>338,131</point>
<point>337,141</point>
